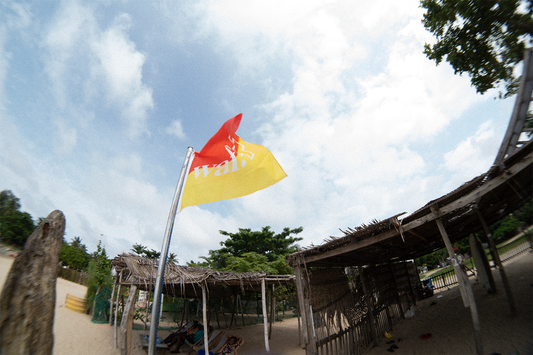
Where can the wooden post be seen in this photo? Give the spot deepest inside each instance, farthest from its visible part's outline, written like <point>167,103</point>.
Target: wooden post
<point>206,325</point>
<point>111,303</point>
<point>146,306</point>
<point>497,260</point>
<point>27,301</point>
<point>265,318</point>
<point>451,253</point>
<point>402,314</point>
<point>464,284</point>
<point>299,327</point>
<point>301,304</point>
<point>413,292</point>
<point>116,310</point>
<point>484,275</point>
<point>126,325</point>
<point>272,306</point>
<point>369,307</point>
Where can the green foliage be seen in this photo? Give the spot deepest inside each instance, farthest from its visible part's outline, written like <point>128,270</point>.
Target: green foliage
<point>525,214</point>
<point>252,262</point>
<point>248,251</point>
<point>143,251</point>
<point>16,227</point>
<point>98,273</point>
<point>74,257</point>
<point>264,242</point>
<point>506,228</point>
<point>9,203</point>
<point>484,38</point>
<point>463,246</point>
<point>431,260</point>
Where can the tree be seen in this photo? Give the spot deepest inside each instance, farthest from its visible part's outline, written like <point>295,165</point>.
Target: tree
<point>263,242</point>
<point>253,251</point>
<point>143,251</point>
<point>74,258</point>
<point>16,227</point>
<point>76,243</point>
<point>485,38</point>
<point>99,273</point>
<point>138,249</point>
<point>9,203</point>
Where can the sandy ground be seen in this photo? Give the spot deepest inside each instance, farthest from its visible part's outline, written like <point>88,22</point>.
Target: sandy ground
<point>448,322</point>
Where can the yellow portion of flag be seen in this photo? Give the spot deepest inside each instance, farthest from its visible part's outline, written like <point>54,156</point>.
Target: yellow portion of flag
<point>248,169</point>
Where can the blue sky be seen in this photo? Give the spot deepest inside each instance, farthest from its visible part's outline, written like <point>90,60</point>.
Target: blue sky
<point>99,101</point>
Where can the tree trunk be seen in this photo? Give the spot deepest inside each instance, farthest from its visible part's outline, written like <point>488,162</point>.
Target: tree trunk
<point>27,302</point>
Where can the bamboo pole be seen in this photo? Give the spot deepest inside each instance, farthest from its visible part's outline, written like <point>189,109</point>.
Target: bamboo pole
<point>265,320</point>
<point>497,260</point>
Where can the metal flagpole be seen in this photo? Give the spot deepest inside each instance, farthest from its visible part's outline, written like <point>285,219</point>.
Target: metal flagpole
<point>154,322</point>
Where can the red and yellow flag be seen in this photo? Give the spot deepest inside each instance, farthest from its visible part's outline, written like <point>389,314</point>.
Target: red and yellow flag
<point>228,167</point>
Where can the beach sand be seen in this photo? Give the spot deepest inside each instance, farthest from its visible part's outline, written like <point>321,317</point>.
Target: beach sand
<point>447,320</point>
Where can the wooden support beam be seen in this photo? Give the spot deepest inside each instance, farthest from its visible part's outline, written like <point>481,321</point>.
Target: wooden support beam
<point>116,311</point>
<point>126,325</point>
<point>413,291</point>
<point>301,304</point>
<point>398,299</point>
<point>464,284</point>
<point>265,318</point>
<point>272,308</point>
<point>484,274</point>
<point>112,297</point>
<point>204,312</point>
<point>368,297</point>
<point>497,260</point>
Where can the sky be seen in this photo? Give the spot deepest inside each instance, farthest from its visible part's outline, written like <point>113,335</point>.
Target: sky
<point>99,101</point>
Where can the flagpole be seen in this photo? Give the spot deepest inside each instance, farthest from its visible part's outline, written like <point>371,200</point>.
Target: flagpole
<point>154,322</point>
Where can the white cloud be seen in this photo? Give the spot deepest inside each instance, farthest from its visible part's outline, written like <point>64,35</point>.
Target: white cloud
<point>18,15</point>
<point>176,129</point>
<point>357,108</point>
<point>121,66</point>
<point>68,136</point>
<point>474,155</point>
<point>4,66</point>
<point>105,63</point>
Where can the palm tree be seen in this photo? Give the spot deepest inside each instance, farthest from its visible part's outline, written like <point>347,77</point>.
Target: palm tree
<point>139,249</point>
<point>172,259</point>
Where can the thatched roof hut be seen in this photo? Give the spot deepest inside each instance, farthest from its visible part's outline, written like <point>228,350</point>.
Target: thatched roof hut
<point>185,281</point>
<point>361,263</point>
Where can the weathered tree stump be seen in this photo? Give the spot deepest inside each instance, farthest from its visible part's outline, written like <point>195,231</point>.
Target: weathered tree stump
<point>28,298</point>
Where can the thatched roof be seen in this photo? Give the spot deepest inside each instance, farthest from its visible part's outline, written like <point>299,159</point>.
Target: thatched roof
<point>495,193</point>
<point>186,281</point>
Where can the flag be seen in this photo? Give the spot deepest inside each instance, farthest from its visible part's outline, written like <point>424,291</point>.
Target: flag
<point>228,167</point>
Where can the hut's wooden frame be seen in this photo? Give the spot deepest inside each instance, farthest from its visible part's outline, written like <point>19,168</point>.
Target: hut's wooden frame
<point>473,206</point>
<point>194,282</point>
